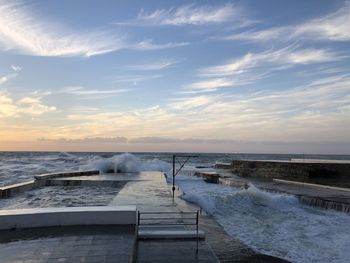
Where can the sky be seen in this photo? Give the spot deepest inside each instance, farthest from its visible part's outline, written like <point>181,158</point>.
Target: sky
<point>208,76</point>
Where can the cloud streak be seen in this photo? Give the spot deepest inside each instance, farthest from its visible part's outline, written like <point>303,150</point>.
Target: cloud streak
<point>87,140</point>
<point>160,65</point>
<point>22,31</point>
<point>287,56</point>
<point>148,44</point>
<point>332,27</point>
<point>83,91</point>
<point>188,15</point>
<point>255,66</point>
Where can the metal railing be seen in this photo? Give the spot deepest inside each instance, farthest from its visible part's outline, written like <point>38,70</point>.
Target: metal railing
<point>167,219</point>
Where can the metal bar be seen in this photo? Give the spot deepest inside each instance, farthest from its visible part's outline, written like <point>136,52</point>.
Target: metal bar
<point>173,176</point>
<point>182,165</point>
<point>156,224</point>
<point>138,217</point>
<point>167,213</point>
<point>197,220</point>
<point>168,218</point>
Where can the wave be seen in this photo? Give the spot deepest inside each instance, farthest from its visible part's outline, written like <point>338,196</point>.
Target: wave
<point>272,223</point>
<point>125,163</point>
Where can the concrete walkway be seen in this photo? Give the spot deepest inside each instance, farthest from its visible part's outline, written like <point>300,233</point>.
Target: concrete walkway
<point>152,193</point>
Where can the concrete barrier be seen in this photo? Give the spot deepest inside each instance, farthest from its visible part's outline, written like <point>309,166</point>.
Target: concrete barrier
<point>6,191</point>
<point>68,216</point>
<point>209,177</point>
<point>65,174</point>
<point>334,173</point>
<point>311,185</point>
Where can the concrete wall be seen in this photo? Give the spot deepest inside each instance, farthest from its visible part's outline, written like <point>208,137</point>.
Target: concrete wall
<point>6,191</point>
<point>324,172</point>
<point>40,180</point>
<point>68,216</point>
<point>65,174</point>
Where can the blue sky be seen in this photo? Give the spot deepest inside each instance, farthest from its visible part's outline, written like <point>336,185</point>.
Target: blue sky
<point>212,76</point>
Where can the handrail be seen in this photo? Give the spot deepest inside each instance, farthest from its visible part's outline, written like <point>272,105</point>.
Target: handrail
<point>159,221</point>
<point>164,221</point>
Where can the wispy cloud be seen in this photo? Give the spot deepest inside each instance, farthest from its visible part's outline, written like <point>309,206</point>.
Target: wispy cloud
<point>87,140</point>
<point>168,140</point>
<point>16,68</point>
<point>191,102</point>
<point>134,78</point>
<point>255,66</point>
<point>84,91</point>
<point>189,15</point>
<point>210,84</point>
<point>160,65</point>
<point>287,56</point>
<point>148,44</point>
<point>22,30</point>
<point>332,27</point>
<point>7,77</point>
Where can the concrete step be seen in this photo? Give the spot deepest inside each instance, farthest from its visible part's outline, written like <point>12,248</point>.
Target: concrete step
<point>170,234</point>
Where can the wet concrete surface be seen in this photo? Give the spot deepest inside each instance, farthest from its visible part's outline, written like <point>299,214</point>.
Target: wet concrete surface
<point>152,194</point>
<point>174,251</point>
<point>68,244</point>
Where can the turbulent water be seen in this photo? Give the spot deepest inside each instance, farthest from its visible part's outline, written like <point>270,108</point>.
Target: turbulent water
<point>275,224</point>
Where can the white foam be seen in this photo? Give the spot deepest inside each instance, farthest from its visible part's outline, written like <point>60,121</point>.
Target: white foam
<point>275,224</point>
<point>125,163</point>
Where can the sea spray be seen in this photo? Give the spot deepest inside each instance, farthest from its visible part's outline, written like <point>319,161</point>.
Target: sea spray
<point>125,163</point>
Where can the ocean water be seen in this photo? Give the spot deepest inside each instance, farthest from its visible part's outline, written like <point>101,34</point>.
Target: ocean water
<point>275,224</point>
<point>21,166</point>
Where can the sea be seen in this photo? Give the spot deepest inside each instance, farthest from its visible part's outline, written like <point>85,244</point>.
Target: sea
<point>271,223</point>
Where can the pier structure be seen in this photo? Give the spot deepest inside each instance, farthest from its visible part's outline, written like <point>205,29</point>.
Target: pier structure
<point>111,233</point>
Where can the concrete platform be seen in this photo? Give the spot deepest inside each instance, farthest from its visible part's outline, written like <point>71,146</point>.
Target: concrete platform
<point>166,251</point>
<point>89,244</point>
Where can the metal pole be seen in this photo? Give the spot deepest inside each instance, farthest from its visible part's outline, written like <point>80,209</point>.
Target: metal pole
<point>174,175</point>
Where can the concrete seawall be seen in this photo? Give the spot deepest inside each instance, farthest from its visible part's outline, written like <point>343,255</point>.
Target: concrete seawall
<point>42,180</point>
<point>312,171</point>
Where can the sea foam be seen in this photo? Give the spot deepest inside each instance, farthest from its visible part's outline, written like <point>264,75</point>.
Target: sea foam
<point>125,163</point>
<point>273,223</point>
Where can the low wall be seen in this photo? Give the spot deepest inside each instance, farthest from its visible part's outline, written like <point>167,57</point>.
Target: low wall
<point>65,174</point>
<point>40,180</point>
<point>100,183</point>
<point>68,216</point>
<point>330,173</point>
<point>6,191</point>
